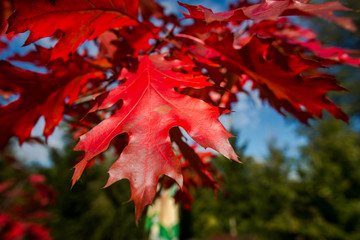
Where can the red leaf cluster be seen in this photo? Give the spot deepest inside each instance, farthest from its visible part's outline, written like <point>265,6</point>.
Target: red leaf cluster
<point>153,74</point>
<point>271,10</point>
<point>23,203</point>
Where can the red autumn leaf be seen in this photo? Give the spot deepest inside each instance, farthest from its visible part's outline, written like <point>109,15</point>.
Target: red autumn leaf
<point>77,20</point>
<point>287,82</point>
<point>196,163</point>
<point>6,8</point>
<point>150,8</point>
<point>125,42</point>
<point>272,9</point>
<point>286,31</point>
<point>196,168</point>
<point>39,93</point>
<point>282,80</point>
<point>151,107</point>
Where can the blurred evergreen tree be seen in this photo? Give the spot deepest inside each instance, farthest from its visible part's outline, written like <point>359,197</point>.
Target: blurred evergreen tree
<point>254,197</point>
<point>316,196</point>
<point>88,211</point>
<point>328,191</point>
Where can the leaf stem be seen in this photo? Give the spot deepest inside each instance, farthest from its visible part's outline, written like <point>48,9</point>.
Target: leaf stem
<point>159,41</point>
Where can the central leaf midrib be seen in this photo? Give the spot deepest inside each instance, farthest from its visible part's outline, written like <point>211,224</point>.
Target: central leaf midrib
<point>128,113</point>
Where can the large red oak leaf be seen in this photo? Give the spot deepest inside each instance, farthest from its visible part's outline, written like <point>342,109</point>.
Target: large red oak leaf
<point>77,20</point>
<point>151,107</point>
<point>272,9</point>
<point>287,82</point>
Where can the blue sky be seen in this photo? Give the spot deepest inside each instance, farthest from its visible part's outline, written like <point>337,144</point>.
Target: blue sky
<point>257,123</point>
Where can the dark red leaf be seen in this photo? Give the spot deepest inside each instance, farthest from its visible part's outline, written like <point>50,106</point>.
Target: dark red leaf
<point>282,80</point>
<point>78,21</point>
<point>272,9</point>
<point>40,95</point>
